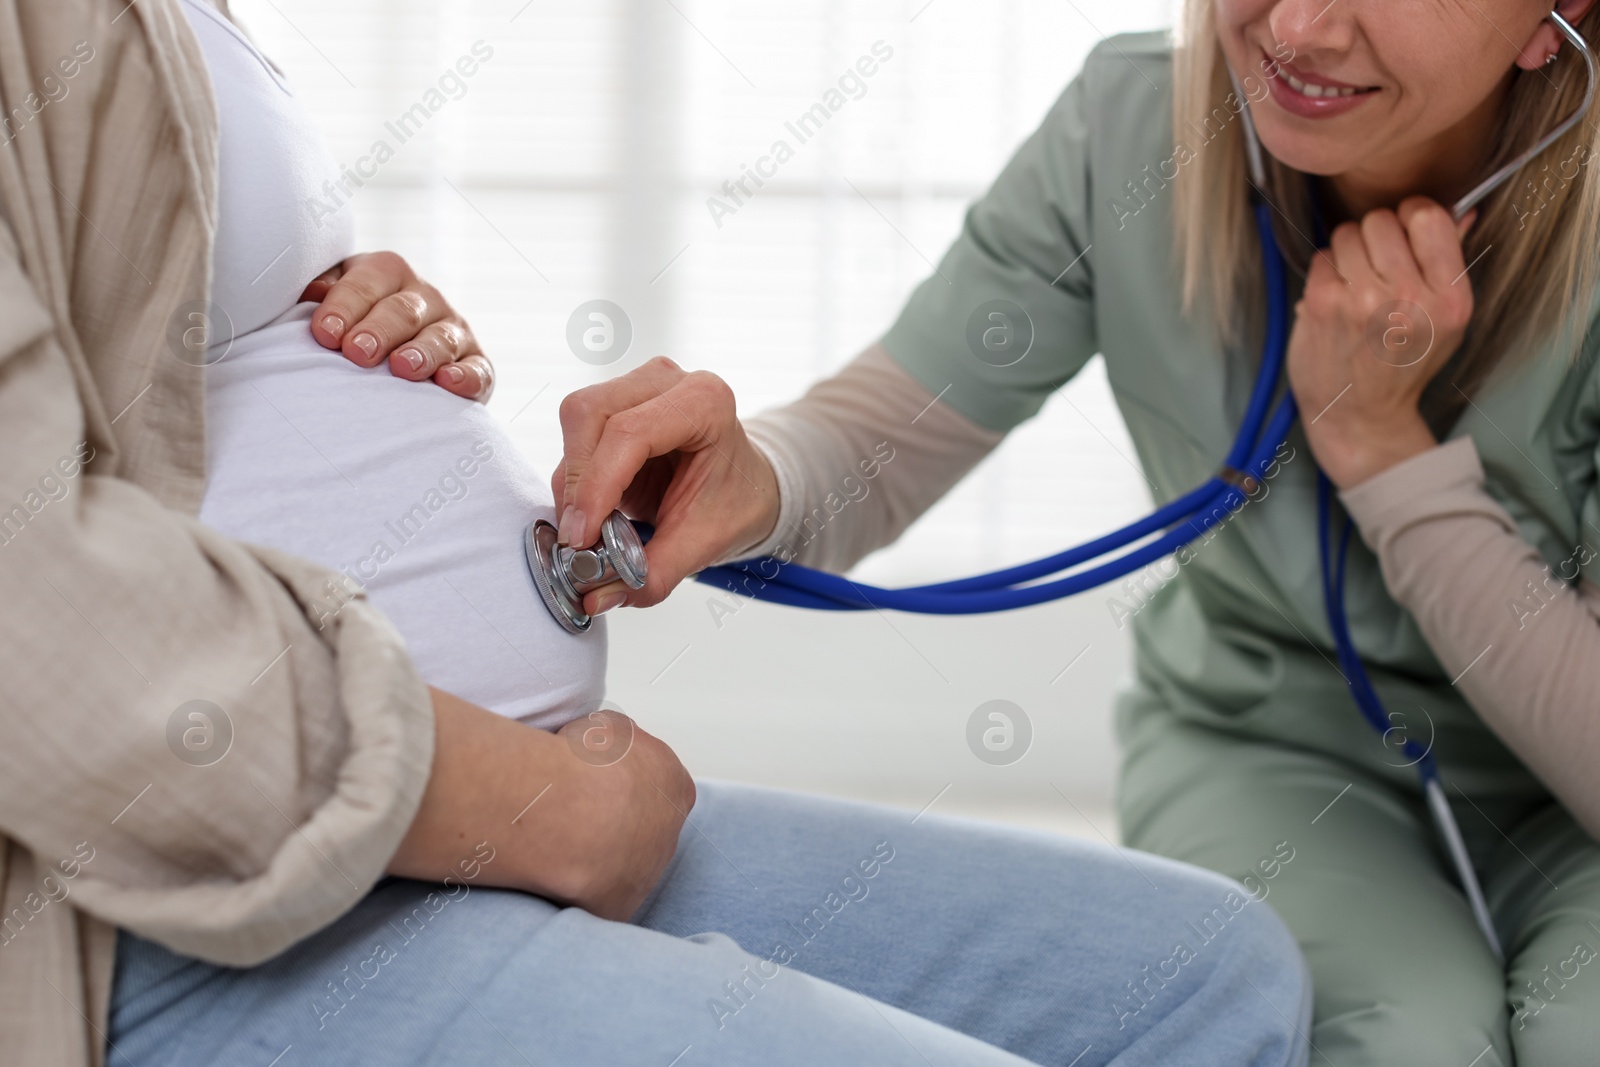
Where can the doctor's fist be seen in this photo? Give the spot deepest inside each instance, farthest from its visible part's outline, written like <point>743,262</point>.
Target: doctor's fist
<point>665,445</point>
<point>1385,307</point>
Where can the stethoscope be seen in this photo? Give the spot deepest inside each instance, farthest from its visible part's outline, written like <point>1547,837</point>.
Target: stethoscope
<point>564,574</point>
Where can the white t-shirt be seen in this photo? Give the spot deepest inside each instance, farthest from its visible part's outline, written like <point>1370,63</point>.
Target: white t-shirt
<point>419,495</point>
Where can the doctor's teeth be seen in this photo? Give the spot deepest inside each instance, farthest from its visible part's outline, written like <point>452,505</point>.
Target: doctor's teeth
<point>1315,91</point>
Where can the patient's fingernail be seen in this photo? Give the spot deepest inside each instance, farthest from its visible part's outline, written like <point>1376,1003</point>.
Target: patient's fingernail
<point>609,601</point>
<point>454,374</point>
<point>367,343</point>
<point>414,359</point>
<point>571,526</point>
<point>333,324</point>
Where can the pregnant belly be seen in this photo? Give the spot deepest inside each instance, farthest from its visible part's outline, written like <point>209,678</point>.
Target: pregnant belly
<point>418,495</point>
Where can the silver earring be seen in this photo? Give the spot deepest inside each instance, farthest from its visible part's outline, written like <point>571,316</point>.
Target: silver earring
<point>1549,59</point>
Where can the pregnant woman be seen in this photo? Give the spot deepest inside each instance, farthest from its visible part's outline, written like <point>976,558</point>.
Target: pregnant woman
<point>216,750</point>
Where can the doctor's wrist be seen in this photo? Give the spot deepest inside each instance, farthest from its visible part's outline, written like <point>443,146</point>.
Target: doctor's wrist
<point>768,507</point>
<point>1351,455</point>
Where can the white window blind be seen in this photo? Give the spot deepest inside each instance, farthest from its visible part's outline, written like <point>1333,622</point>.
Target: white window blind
<point>577,160</point>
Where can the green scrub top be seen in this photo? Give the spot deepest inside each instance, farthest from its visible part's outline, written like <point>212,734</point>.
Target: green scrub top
<point>1239,638</point>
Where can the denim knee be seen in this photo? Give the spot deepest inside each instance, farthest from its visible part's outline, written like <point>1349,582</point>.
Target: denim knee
<point>1268,975</point>
<point>1245,967</point>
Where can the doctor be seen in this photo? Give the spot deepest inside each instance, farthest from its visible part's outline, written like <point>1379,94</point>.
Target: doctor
<point>1447,380</point>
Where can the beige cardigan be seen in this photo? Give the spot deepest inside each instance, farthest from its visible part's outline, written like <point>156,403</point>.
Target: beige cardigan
<point>116,607</point>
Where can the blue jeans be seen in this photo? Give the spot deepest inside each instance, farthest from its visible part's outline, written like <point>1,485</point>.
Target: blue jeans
<point>788,930</point>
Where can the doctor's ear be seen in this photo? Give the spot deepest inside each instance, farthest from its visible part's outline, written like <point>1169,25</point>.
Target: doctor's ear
<point>1547,41</point>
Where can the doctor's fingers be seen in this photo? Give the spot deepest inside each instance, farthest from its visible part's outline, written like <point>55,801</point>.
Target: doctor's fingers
<point>584,411</point>
<point>689,536</point>
<point>666,555</point>
<point>1437,241</point>
<point>1326,289</point>
<point>1355,268</point>
<point>677,551</point>
<point>1389,251</point>
<point>685,418</point>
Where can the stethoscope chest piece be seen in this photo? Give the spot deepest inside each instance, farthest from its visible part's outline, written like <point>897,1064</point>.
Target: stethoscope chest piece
<point>564,574</point>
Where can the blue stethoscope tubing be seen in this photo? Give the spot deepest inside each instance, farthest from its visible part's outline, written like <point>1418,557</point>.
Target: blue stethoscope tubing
<point>1366,698</point>
<point>1177,523</point>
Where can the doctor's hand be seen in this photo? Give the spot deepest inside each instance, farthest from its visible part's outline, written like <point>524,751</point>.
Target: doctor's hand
<point>1385,307</point>
<point>374,307</point>
<point>665,445</point>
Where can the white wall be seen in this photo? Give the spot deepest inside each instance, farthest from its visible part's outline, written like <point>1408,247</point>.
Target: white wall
<point>577,163</point>
<point>877,707</point>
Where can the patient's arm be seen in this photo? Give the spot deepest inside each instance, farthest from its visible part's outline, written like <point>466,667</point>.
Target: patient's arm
<point>561,826</point>
<point>373,306</point>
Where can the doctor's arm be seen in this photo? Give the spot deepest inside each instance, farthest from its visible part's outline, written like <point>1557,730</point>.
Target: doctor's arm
<point>1521,640</point>
<point>858,459</point>
<point>1523,645</point>
<point>822,481</point>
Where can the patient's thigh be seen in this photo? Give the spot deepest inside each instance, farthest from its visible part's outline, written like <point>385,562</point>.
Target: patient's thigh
<point>1027,940</point>
<point>502,978</point>
<point>910,941</point>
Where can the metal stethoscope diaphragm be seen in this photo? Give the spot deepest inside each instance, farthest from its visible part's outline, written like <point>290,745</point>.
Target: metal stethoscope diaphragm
<point>564,574</point>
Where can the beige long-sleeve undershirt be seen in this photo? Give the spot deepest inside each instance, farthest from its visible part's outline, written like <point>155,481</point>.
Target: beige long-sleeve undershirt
<point>1523,644</point>
<point>825,444</point>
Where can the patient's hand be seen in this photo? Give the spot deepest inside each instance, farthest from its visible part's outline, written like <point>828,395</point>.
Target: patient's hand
<point>601,839</point>
<point>373,306</point>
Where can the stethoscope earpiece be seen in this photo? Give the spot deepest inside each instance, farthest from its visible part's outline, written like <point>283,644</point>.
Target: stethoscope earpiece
<point>564,574</point>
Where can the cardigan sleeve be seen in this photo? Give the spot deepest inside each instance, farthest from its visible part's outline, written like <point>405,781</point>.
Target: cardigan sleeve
<point>1521,641</point>
<point>219,746</point>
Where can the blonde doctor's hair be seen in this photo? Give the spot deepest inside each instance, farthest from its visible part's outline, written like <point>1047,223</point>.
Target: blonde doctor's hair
<point>1535,286</point>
